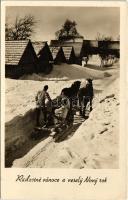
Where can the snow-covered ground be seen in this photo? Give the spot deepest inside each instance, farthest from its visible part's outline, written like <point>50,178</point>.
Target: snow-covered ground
<point>20,94</point>
<point>98,136</point>
<point>65,72</point>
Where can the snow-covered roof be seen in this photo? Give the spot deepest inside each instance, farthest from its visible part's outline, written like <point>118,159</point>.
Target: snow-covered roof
<point>76,45</point>
<point>91,43</point>
<point>115,45</point>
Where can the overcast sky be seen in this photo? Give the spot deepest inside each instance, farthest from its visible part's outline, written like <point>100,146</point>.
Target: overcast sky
<point>90,20</point>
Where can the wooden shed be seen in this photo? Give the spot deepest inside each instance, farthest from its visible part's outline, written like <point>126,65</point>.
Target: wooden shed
<point>45,59</point>
<point>57,54</point>
<point>77,46</point>
<point>114,48</point>
<point>20,58</point>
<point>69,54</point>
<point>90,47</point>
<point>114,45</point>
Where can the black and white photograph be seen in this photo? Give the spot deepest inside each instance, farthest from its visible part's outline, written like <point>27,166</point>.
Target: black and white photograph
<point>62,76</point>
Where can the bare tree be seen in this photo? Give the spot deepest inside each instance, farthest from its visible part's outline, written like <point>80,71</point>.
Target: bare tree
<point>101,37</point>
<point>22,28</point>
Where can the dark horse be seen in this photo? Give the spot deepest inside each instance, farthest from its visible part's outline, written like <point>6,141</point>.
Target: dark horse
<point>72,92</point>
<point>86,95</point>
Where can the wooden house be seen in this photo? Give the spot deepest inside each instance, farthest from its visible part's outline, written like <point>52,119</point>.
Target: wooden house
<point>114,45</point>
<point>69,38</point>
<point>90,47</point>
<point>20,58</point>
<point>69,54</point>
<point>114,48</point>
<point>77,46</point>
<point>57,54</point>
<point>45,59</point>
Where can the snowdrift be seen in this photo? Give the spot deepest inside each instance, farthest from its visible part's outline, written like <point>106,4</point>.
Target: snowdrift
<point>66,72</point>
<point>94,60</point>
<point>17,135</point>
<point>20,95</point>
<point>20,111</point>
<point>92,148</point>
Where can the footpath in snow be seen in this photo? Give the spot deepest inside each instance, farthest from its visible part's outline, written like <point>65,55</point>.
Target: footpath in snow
<point>20,118</point>
<point>95,147</point>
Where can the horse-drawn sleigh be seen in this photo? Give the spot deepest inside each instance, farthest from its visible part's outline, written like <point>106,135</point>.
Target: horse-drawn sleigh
<point>60,113</point>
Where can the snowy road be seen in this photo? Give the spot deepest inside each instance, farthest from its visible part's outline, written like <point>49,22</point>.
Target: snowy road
<point>20,119</point>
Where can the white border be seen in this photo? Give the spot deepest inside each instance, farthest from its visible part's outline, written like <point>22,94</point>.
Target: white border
<point>115,189</point>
